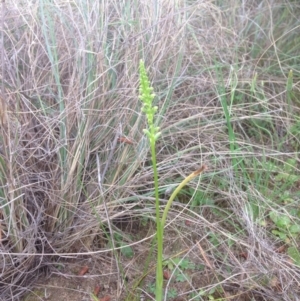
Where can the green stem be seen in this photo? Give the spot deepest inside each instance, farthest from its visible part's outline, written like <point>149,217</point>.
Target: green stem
<point>159,232</point>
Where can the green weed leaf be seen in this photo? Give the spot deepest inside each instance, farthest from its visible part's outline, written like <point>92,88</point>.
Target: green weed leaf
<point>280,234</point>
<point>180,278</point>
<point>127,252</point>
<point>283,222</point>
<point>294,229</point>
<point>294,253</point>
<point>172,293</point>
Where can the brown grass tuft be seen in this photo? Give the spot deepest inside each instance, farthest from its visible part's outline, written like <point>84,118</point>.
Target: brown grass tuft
<point>74,160</point>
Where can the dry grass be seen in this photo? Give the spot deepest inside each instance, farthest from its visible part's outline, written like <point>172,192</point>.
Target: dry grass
<point>69,90</point>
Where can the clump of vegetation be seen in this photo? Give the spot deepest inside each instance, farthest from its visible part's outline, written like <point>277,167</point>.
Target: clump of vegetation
<point>76,169</point>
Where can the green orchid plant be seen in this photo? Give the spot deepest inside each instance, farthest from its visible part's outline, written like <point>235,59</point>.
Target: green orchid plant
<point>147,96</point>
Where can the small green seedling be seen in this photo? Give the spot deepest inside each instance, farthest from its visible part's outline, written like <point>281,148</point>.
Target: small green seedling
<point>199,198</point>
<point>172,293</point>
<point>285,228</point>
<point>126,250</point>
<point>179,265</point>
<point>151,288</point>
<point>289,172</point>
<point>184,264</point>
<point>288,230</point>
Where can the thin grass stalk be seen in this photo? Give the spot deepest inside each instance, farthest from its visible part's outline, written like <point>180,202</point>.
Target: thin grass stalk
<point>61,211</point>
<point>289,90</point>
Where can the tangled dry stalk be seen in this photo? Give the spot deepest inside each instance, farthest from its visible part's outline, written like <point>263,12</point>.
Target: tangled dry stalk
<point>69,85</point>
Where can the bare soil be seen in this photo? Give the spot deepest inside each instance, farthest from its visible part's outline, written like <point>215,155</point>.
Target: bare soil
<point>66,282</point>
